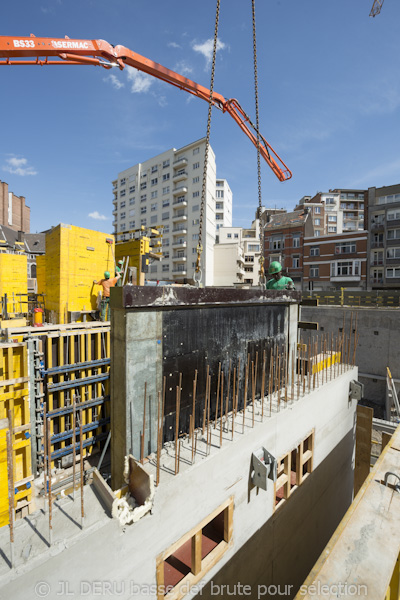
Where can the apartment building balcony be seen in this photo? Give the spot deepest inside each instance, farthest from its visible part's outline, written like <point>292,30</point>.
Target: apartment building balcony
<point>345,278</point>
<point>180,190</point>
<point>115,201</point>
<point>177,217</point>
<point>115,212</point>
<point>179,259</point>
<point>240,270</point>
<point>114,223</point>
<point>179,230</point>
<point>179,244</point>
<point>393,262</point>
<point>180,203</point>
<point>376,262</point>
<point>377,244</point>
<point>376,280</point>
<point>180,162</point>
<point>377,226</point>
<point>179,272</point>
<point>180,175</point>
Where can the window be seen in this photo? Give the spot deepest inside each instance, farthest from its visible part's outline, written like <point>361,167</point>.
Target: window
<point>254,247</point>
<point>296,262</point>
<point>165,216</point>
<point>194,265</point>
<point>154,181</point>
<point>393,215</point>
<point>132,189</point>
<point>154,168</point>
<point>393,253</point>
<point>165,242</point>
<point>143,222</point>
<point>165,203</point>
<point>219,217</point>
<point>153,219</point>
<point>154,194</point>
<point>393,234</point>
<point>314,271</point>
<point>249,259</point>
<point>165,267</point>
<point>195,208</point>
<point>143,198</point>
<point>393,272</point>
<point>132,212</point>
<point>229,235</point>
<point>196,221</point>
<point>196,179</point>
<point>332,218</point>
<point>331,229</point>
<point>220,193</point>
<point>195,236</point>
<point>143,185</point>
<point>165,177</point>
<point>345,248</point>
<point>122,204</point>
<point>153,268</point>
<point>196,151</point>
<point>122,226</point>
<point>189,559</point>
<point>317,234</point>
<point>317,210</point>
<point>131,224</point>
<point>143,210</point>
<point>317,222</point>
<point>345,268</point>
<point>131,201</point>
<point>296,240</point>
<point>330,201</point>
<point>277,244</point>
<point>165,164</point>
<point>166,229</point>
<point>165,190</point>
<point>248,269</point>
<point>122,193</point>
<point>154,206</point>
<point>293,469</point>
<point>219,205</point>
<point>122,182</point>
<point>122,215</point>
<point>314,251</point>
<point>196,194</point>
<point>166,255</point>
<point>196,165</point>
<point>236,236</point>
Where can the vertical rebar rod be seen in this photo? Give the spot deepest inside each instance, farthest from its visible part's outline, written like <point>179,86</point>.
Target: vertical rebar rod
<point>208,415</point>
<point>227,395</point>
<point>205,401</point>
<point>158,437</point>
<point>253,391</point>
<point>246,380</point>
<point>178,405</point>
<point>286,376</point>
<point>45,454</point>
<point>298,370</point>
<point>292,382</point>
<point>237,387</point>
<point>81,466</point>
<point>263,385</point>
<point>10,479</point>
<point>73,447</point>
<point>270,381</point>
<point>144,425</point>
<point>216,406</point>
<point>222,410</point>
<point>194,410</point>
<point>49,471</point>
<point>233,400</point>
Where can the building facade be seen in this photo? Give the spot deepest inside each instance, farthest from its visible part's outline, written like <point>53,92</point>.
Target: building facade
<point>223,206</point>
<point>283,241</point>
<point>13,211</point>
<point>384,238</point>
<point>336,261</point>
<point>166,191</point>
<point>236,256</point>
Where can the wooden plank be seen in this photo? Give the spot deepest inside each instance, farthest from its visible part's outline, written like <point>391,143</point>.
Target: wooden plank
<point>386,437</point>
<point>363,445</point>
<point>228,523</point>
<point>196,552</point>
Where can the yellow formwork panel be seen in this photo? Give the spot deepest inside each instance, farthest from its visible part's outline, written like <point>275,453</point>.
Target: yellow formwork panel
<point>4,518</point>
<point>13,278</point>
<point>74,258</point>
<point>14,397</point>
<point>134,249</point>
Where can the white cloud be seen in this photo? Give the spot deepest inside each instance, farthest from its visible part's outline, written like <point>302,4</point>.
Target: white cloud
<point>18,166</point>
<point>115,82</point>
<point>206,49</point>
<point>183,68</point>
<point>96,215</point>
<point>384,171</point>
<point>162,101</point>
<point>174,45</point>
<point>141,82</point>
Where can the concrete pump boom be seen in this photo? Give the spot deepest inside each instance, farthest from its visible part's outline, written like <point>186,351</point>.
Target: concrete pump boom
<point>55,51</point>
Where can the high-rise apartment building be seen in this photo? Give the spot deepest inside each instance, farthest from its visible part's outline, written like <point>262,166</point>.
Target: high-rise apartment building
<point>13,211</point>
<point>384,238</point>
<point>236,256</point>
<point>223,206</point>
<point>166,190</point>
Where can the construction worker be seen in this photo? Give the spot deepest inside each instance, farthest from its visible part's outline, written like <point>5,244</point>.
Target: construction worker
<point>278,281</point>
<point>118,269</point>
<point>106,284</point>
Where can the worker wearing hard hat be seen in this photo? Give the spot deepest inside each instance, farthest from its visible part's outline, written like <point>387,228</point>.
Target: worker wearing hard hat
<point>278,281</point>
<point>106,284</point>
<point>118,269</point>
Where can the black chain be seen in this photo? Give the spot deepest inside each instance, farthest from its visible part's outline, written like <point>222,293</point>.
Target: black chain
<point>204,186</point>
<point>257,129</point>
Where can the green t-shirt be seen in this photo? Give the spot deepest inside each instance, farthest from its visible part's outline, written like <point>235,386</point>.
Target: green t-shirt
<point>282,284</point>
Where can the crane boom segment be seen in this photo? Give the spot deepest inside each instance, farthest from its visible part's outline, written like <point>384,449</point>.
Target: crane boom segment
<point>53,51</point>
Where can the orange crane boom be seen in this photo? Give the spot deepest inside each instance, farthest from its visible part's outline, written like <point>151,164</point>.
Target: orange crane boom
<point>33,50</point>
<point>376,8</point>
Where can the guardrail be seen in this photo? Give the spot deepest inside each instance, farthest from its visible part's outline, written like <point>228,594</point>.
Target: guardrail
<point>356,298</point>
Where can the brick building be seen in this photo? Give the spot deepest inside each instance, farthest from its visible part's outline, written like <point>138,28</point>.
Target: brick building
<point>336,261</point>
<point>283,241</point>
<point>13,211</point>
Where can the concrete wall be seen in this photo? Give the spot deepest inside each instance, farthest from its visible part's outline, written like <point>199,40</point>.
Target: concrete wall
<point>378,347</point>
<point>268,548</point>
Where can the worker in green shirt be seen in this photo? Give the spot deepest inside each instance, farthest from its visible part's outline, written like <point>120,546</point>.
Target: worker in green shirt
<point>278,281</point>
<point>118,269</point>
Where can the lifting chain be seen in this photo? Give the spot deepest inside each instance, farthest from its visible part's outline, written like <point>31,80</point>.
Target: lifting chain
<point>257,129</point>
<point>197,273</point>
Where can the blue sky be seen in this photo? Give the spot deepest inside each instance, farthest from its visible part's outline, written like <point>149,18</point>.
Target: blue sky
<point>329,92</point>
